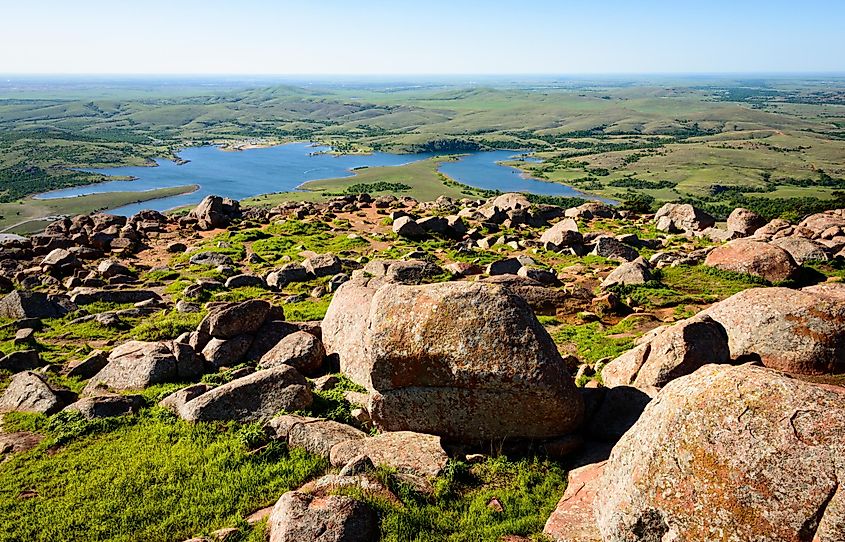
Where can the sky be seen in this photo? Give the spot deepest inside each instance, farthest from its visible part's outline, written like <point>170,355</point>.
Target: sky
<point>422,37</point>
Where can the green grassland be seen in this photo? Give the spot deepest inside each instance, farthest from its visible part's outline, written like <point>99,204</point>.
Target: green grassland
<point>662,139</point>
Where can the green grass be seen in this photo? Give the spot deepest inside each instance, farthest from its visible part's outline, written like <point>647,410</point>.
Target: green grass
<point>306,311</point>
<point>163,326</point>
<point>592,340</point>
<point>163,480</point>
<point>527,489</point>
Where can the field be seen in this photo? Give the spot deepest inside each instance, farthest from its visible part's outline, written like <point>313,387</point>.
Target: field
<point>776,143</point>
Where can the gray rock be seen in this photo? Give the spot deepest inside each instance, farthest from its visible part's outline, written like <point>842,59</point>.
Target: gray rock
<point>613,249</point>
<point>107,406</point>
<point>628,274</point>
<point>256,397</point>
<point>21,360</point>
<point>241,281</point>
<point>323,265</point>
<point>212,259</point>
<point>406,226</point>
<point>25,304</point>
<point>509,266</point>
<point>233,319</point>
<point>226,352</point>
<point>88,367</point>
<point>28,392</point>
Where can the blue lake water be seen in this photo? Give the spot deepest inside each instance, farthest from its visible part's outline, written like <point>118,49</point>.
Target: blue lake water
<point>282,168</point>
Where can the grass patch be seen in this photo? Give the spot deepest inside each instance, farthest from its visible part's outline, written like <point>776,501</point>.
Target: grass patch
<point>163,480</point>
<point>306,311</point>
<point>593,341</point>
<point>163,326</point>
<point>528,491</point>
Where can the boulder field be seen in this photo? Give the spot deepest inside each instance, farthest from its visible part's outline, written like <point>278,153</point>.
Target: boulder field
<point>685,373</point>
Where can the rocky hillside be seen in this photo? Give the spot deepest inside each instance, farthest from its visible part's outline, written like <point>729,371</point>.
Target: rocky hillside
<point>387,369</point>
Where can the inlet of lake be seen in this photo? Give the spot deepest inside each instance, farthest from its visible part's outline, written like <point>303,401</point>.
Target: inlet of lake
<point>281,168</point>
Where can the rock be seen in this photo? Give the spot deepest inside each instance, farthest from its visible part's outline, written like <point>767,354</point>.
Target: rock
<point>28,392</point>
<point>405,226</point>
<point>613,249</point>
<point>411,271</point>
<point>509,266</point>
<point>304,517</point>
<point>110,268</point>
<point>280,426</point>
<point>790,330</point>
<point>743,451</point>
<point>268,335</point>
<point>107,406</point>
<point>210,214</point>
<point>20,360</point>
<point>464,269</point>
<point>176,247</point>
<point>562,235</point>
<point>176,400</point>
<point>675,351</point>
<point>573,519</point>
<point>184,307</point>
<point>256,397</point>
<point>318,437</point>
<point>591,210</point>
<point>212,259</point>
<point>19,441</point>
<point>683,217</point>
<point>86,296</point>
<point>346,323</point>
<point>540,275</point>
<point>226,352</point>
<point>136,365</point>
<point>745,222</point>
<point>290,272</point>
<point>407,452</point>
<point>25,304</point>
<point>233,319</point>
<point>802,249</point>
<point>302,351</point>
<point>820,223</point>
<point>60,262</point>
<point>628,274</point>
<point>834,291</point>
<point>323,265</point>
<point>244,281</point>
<point>88,367</point>
<point>444,358</point>
<point>753,258</point>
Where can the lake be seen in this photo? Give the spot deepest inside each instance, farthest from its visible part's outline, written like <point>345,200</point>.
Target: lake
<point>241,174</point>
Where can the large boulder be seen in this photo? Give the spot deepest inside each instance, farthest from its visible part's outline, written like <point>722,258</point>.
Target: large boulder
<point>753,258</point>
<point>464,360</point>
<point>790,330</point>
<point>676,351</point>
<point>136,365</point>
<point>405,226</point>
<point>826,224</point>
<point>561,235</point>
<point>256,397</point>
<point>305,517</point>
<point>230,320</point>
<point>729,453</point>
<point>614,249</point>
<point>28,392</point>
<point>744,222</point>
<point>682,217</point>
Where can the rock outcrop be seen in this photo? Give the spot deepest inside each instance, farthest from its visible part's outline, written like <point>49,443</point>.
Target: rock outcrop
<point>753,258</point>
<point>732,453</point>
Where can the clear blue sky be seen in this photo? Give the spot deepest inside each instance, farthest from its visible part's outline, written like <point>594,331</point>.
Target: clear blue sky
<point>425,37</point>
